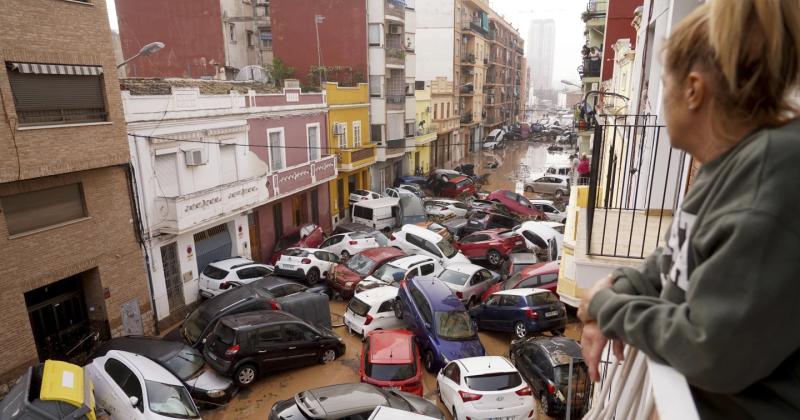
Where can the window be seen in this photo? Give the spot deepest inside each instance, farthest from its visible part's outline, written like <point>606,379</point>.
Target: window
<point>294,332</point>
<point>356,133</point>
<point>435,111</point>
<point>386,306</point>
<point>340,132</point>
<point>269,335</point>
<point>253,272</point>
<point>422,305</point>
<point>419,85</point>
<point>426,269</point>
<point>529,283</point>
<point>29,211</point>
<point>548,278</point>
<point>376,132</point>
<point>314,148</point>
<point>57,94</point>
<point>448,110</point>
<point>126,380</point>
<point>277,159</point>
<point>376,86</point>
<point>410,131</point>
<point>232,32</point>
<point>266,39</point>
<point>228,172</point>
<point>453,372</point>
<point>287,289</point>
<point>375,33</point>
<point>251,39</point>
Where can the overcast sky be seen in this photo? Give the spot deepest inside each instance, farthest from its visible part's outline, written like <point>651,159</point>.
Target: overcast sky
<point>566,13</point>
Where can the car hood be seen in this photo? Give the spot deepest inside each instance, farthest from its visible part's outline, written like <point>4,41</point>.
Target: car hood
<point>344,274</point>
<point>454,350</point>
<point>421,405</point>
<point>209,380</point>
<point>458,258</point>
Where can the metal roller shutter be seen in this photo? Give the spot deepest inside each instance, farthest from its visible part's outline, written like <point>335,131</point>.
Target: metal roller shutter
<point>56,98</point>
<point>212,245</point>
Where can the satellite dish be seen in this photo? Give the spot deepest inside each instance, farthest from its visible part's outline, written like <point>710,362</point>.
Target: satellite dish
<point>254,73</point>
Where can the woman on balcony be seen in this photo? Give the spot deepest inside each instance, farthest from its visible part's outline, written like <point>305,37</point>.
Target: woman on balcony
<point>718,301</point>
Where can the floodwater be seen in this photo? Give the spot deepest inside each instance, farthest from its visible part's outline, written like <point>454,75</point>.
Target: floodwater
<point>518,161</point>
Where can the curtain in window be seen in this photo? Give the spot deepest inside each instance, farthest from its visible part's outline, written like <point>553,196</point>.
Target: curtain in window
<point>276,151</point>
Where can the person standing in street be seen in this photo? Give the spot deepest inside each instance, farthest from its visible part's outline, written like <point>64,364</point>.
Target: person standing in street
<point>718,301</point>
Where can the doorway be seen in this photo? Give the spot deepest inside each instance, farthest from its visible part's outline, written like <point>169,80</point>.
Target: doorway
<point>172,276</point>
<point>255,240</point>
<point>340,197</point>
<point>299,210</point>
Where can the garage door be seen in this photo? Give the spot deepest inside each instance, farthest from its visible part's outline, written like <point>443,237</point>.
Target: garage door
<point>212,245</point>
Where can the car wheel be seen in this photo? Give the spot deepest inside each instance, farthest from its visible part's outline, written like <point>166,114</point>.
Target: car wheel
<point>398,309</point>
<point>528,188</point>
<point>427,361</point>
<point>544,403</point>
<point>520,330</point>
<point>559,194</point>
<point>245,375</point>
<point>328,356</point>
<point>312,278</point>
<point>345,255</point>
<point>472,302</point>
<point>494,257</point>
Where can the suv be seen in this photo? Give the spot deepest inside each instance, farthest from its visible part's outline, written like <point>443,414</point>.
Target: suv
<point>551,184</point>
<point>418,240</point>
<point>245,345</point>
<point>393,272</point>
<point>518,204</point>
<point>348,244</point>
<point>390,359</point>
<point>544,363</point>
<point>549,209</point>
<point>216,277</point>
<point>439,321</point>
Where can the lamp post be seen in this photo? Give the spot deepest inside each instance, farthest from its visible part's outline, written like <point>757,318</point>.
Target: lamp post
<point>317,20</point>
<point>148,49</point>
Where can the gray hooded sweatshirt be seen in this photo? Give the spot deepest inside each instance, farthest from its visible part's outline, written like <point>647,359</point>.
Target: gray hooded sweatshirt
<point>719,301</point>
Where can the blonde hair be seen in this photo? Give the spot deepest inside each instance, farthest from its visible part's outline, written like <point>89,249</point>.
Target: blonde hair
<point>751,51</point>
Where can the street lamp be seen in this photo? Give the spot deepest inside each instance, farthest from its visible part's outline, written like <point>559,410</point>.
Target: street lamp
<point>148,49</point>
<point>568,83</point>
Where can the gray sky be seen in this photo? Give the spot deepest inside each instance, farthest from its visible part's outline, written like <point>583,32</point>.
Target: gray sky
<point>566,13</point>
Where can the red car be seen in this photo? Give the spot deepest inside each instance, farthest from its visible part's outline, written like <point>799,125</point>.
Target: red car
<point>346,277</point>
<point>390,359</point>
<point>491,245</point>
<point>539,276</point>
<point>308,236</point>
<point>458,187</point>
<point>518,204</point>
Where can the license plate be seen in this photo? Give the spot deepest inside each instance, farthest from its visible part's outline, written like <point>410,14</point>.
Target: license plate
<point>287,266</point>
<point>392,388</point>
<point>551,313</point>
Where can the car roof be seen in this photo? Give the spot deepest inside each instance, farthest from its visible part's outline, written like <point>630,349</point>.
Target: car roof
<point>378,202</point>
<point>482,365</point>
<point>389,347</point>
<point>151,347</point>
<point>558,176</point>
<point>438,294</point>
<point>229,263</point>
<point>382,253</point>
<point>341,399</point>
<point>546,232</point>
<point>147,368</point>
<point>521,292</point>
<point>248,319</point>
<point>548,202</point>
<point>552,224</point>
<point>560,350</point>
<point>422,232</point>
<point>377,295</point>
<point>309,250</point>
<point>465,268</point>
<point>407,262</point>
<point>541,268</point>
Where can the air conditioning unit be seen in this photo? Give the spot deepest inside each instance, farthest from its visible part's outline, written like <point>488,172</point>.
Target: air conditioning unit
<point>396,30</point>
<point>195,157</point>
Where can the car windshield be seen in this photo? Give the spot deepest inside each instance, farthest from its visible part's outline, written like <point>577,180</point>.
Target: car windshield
<point>170,400</point>
<point>511,281</point>
<point>539,299</point>
<point>454,325</point>
<point>360,264</point>
<point>446,248</point>
<point>214,273</point>
<point>389,273</point>
<point>454,277</point>
<point>494,381</point>
<point>195,324</point>
<point>295,252</point>
<point>288,241</point>
<point>358,307</point>
<point>464,183</point>
<point>561,373</point>
<point>522,200</point>
<point>394,372</point>
<point>185,364</point>
<point>380,238</point>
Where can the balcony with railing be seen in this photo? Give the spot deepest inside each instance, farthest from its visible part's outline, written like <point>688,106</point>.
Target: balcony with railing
<point>468,59</point>
<point>425,135</point>
<point>396,8</point>
<point>355,158</point>
<point>467,90</point>
<point>590,68</point>
<point>395,147</point>
<point>595,14</point>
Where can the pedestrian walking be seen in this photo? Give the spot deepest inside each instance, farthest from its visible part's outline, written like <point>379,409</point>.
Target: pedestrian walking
<point>584,170</point>
<point>716,301</point>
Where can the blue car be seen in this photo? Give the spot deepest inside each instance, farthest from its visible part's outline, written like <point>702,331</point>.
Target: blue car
<point>521,311</point>
<point>411,179</point>
<point>439,321</point>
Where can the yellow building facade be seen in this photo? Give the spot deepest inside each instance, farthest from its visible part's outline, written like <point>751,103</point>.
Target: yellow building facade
<point>348,139</point>
<point>426,131</point>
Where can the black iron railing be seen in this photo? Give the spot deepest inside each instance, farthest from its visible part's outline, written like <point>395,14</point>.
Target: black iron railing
<point>634,185</point>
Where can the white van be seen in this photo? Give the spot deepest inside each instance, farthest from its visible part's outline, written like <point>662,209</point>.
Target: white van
<point>381,213</point>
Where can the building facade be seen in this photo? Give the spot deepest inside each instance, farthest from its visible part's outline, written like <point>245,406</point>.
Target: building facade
<point>471,64</point>
<point>541,57</point>
<point>203,38</point>
<point>348,122</point>
<point>504,77</point>
<point>446,122</point>
<point>71,263</point>
<point>426,129</point>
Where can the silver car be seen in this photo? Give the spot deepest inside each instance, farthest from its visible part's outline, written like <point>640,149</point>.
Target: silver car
<point>556,185</point>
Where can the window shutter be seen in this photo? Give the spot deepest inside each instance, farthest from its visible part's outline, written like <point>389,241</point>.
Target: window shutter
<point>56,98</point>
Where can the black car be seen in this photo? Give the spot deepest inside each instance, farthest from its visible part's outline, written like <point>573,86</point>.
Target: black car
<point>271,292</point>
<point>479,220</point>
<point>243,346</point>
<point>455,226</point>
<point>208,388</point>
<point>544,362</point>
<point>349,401</point>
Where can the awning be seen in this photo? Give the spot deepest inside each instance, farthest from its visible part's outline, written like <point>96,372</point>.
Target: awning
<point>37,68</point>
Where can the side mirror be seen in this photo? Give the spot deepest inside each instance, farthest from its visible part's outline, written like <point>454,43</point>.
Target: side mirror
<point>317,338</point>
<point>134,401</point>
<point>427,326</point>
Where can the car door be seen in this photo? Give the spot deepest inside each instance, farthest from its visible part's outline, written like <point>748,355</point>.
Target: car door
<point>470,246</point>
<point>301,344</point>
<point>507,313</point>
<point>326,261</point>
<point>333,244</point>
<point>424,317</point>
<point>480,282</point>
<point>487,317</point>
<point>117,392</point>
<point>270,348</point>
<point>540,185</point>
<point>450,384</point>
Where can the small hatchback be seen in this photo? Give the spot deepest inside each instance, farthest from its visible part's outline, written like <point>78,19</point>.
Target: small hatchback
<point>521,311</point>
<point>247,345</point>
<point>217,276</point>
<point>460,186</point>
<point>439,321</point>
<point>346,277</point>
<point>418,240</point>
<point>372,310</point>
<point>390,359</point>
<point>491,245</point>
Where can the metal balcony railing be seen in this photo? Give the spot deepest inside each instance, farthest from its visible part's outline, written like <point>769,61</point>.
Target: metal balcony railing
<point>590,68</point>
<point>61,116</point>
<point>466,118</point>
<point>635,183</point>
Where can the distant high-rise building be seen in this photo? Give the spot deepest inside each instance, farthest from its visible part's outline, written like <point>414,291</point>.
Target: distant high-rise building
<point>541,54</point>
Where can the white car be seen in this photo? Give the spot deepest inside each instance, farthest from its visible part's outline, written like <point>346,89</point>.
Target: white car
<point>494,139</point>
<point>310,264</point>
<point>362,195</point>
<point>218,275</point>
<point>393,272</point>
<point>549,209</point>
<point>539,236</point>
<point>445,208</point>
<point>347,244</point>
<point>131,386</point>
<point>483,388</point>
<point>558,227</point>
<point>418,240</point>
<point>468,281</point>
<point>372,310</point>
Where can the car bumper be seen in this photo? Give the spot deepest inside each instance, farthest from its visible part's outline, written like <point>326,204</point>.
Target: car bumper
<point>343,291</point>
<point>525,411</point>
<point>224,367</point>
<point>290,273</point>
<point>549,324</point>
<point>355,326</point>
<point>209,293</point>
<point>202,397</point>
